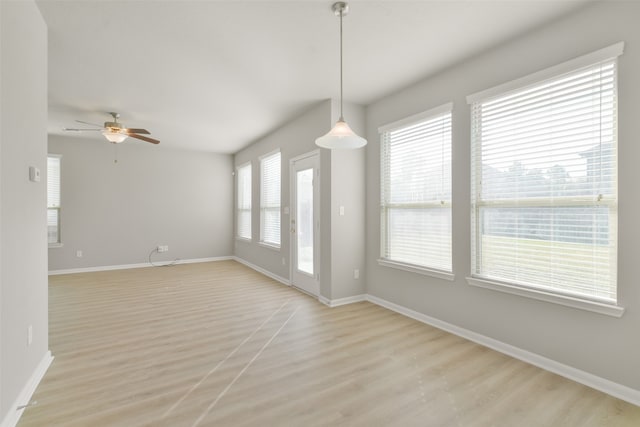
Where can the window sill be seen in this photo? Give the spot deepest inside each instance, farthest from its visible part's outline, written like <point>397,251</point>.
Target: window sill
<point>243,239</point>
<point>270,246</point>
<point>440,274</point>
<point>55,245</point>
<point>569,301</point>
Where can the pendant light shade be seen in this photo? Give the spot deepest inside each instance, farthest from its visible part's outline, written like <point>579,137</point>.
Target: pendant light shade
<point>341,136</point>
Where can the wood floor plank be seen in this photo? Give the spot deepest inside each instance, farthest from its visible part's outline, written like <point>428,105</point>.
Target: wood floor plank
<point>218,344</point>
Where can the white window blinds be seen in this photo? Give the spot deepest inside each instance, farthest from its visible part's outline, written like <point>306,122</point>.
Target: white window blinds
<point>243,197</point>
<point>53,199</point>
<point>270,199</point>
<point>544,184</point>
<point>415,198</point>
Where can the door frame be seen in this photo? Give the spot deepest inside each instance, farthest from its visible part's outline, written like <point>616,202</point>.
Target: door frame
<point>293,211</point>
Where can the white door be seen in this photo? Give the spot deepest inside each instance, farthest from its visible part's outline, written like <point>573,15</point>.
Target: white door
<point>305,223</point>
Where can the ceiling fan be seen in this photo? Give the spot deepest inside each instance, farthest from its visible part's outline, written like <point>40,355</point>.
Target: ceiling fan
<point>115,132</point>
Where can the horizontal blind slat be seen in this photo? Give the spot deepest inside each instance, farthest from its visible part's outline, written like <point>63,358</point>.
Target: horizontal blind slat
<point>243,198</point>
<point>416,193</point>
<point>544,191</point>
<point>270,179</point>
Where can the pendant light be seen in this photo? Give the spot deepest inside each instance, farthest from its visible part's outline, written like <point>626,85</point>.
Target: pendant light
<point>341,136</point>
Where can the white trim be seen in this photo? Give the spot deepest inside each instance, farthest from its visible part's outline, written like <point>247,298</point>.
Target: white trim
<point>270,153</point>
<point>14,414</point>
<point>442,109</point>
<point>262,270</point>
<point>417,269</point>
<point>55,245</point>
<point>569,301</point>
<point>242,165</point>
<point>271,246</point>
<point>314,158</point>
<point>303,156</point>
<point>326,301</point>
<point>342,301</point>
<point>129,266</point>
<point>600,55</point>
<point>614,389</point>
<point>199,260</point>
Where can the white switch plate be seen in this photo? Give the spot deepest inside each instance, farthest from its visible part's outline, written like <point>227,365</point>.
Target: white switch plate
<point>34,174</point>
<point>341,210</point>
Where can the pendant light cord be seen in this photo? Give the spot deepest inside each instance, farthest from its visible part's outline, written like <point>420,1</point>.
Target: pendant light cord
<point>341,116</point>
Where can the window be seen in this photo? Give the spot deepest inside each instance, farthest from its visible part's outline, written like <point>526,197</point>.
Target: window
<point>270,199</point>
<point>53,199</point>
<point>243,194</point>
<point>544,182</point>
<point>415,205</point>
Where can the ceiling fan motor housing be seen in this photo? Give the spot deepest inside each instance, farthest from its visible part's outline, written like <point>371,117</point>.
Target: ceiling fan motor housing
<point>114,126</point>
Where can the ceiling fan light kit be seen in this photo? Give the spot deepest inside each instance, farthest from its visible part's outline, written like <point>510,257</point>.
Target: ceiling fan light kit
<point>341,136</point>
<point>114,136</point>
<point>115,132</point>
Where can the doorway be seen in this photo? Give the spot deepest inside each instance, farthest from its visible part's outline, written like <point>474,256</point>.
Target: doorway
<point>305,222</point>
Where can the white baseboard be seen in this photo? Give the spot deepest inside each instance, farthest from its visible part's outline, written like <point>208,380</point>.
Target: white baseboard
<point>342,301</point>
<point>263,271</point>
<point>14,414</point>
<point>620,391</point>
<point>129,266</point>
<point>211,259</point>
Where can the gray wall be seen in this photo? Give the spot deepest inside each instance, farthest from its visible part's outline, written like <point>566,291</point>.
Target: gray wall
<point>599,344</point>
<point>341,184</point>
<point>348,189</point>
<point>116,213</point>
<point>23,223</point>
<point>293,139</point>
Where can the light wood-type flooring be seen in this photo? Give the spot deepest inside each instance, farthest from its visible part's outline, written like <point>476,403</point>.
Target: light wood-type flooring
<point>218,344</point>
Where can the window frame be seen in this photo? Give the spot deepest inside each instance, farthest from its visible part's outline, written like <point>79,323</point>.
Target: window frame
<point>606,307</point>
<point>238,201</point>
<point>384,260</point>
<point>59,243</point>
<point>263,208</point>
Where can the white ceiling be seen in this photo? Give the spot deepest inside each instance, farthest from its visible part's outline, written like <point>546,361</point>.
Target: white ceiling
<point>217,75</point>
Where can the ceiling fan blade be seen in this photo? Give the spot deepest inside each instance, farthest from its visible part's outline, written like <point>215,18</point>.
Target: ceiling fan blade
<point>144,138</point>
<point>77,130</point>
<point>87,123</point>
<point>143,131</point>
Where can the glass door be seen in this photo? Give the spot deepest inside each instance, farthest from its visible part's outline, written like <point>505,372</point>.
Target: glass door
<point>305,223</point>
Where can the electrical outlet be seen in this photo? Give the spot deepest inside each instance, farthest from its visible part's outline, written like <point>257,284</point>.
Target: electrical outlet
<point>356,274</point>
<point>166,248</point>
<point>79,254</point>
<point>29,335</point>
<point>163,248</point>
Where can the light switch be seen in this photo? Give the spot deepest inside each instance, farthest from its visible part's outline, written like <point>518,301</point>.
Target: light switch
<point>34,174</point>
<point>341,210</point>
